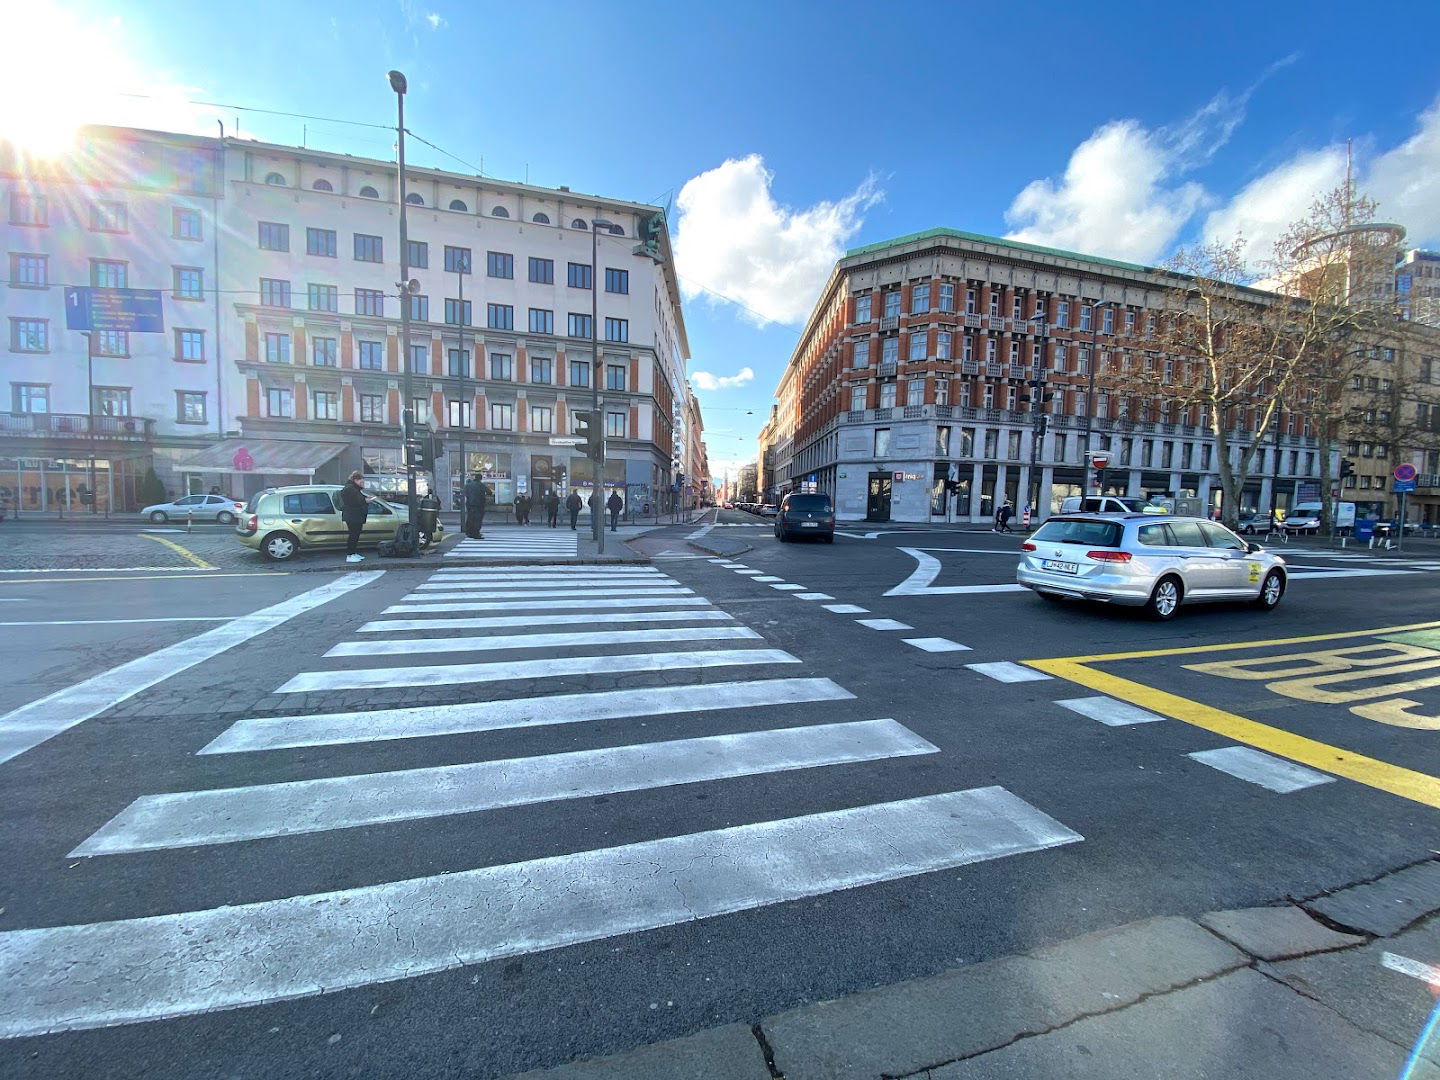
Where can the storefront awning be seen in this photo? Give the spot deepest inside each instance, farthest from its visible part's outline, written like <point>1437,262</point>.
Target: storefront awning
<point>270,456</point>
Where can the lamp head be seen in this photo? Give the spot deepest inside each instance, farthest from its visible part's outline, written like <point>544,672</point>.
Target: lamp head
<point>397,82</point>
<point>601,223</point>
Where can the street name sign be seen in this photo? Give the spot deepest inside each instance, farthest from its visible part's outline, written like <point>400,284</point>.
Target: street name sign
<point>136,311</point>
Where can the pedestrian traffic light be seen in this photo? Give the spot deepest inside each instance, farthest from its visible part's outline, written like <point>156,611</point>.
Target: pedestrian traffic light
<point>420,452</point>
<point>587,426</point>
<point>650,229</point>
<point>1347,468</point>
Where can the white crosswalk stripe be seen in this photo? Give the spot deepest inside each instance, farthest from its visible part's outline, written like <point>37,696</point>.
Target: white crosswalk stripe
<point>425,646</point>
<point>519,542</point>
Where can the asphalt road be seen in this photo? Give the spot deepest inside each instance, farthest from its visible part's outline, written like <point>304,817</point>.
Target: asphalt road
<point>514,944</point>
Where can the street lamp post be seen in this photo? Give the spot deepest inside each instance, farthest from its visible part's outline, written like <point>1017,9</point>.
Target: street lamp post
<point>1037,412</point>
<point>407,415</point>
<point>462,267</point>
<point>597,525</point>
<point>1090,389</point>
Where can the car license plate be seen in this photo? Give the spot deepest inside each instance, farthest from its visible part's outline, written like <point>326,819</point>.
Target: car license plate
<point>809,524</point>
<point>1061,567</point>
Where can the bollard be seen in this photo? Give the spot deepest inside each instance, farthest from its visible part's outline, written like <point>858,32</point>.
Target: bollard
<point>189,520</point>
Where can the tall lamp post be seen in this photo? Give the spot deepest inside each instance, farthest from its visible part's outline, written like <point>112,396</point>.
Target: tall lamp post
<point>1090,388</point>
<point>462,267</point>
<point>597,523</point>
<point>1037,412</point>
<point>407,414</point>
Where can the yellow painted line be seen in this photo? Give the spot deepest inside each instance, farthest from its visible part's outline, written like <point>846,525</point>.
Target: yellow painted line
<point>1103,657</point>
<point>185,553</point>
<point>173,575</point>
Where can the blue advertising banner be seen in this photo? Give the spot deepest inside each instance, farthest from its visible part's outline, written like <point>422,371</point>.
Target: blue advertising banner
<point>137,311</point>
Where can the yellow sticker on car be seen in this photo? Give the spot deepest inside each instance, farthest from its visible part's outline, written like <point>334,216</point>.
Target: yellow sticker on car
<point>1254,572</point>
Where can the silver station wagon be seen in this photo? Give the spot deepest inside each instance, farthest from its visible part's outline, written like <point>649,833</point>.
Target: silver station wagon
<point>1142,561</point>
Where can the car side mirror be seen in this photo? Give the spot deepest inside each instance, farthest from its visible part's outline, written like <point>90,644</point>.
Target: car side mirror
<point>1253,547</point>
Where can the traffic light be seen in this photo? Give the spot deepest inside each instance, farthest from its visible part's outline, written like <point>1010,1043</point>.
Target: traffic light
<point>650,229</point>
<point>587,426</point>
<point>1347,468</point>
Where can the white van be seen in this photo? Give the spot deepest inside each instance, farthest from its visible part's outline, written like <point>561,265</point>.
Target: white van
<point>1306,516</point>
<point>1108,504</point>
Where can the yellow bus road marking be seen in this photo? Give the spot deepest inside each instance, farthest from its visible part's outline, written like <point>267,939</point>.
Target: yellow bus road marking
<point>172,575</point>
<point>1229,645</point>
<point>184,552</point>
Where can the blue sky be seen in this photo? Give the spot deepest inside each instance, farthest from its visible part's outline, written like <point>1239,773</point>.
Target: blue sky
<point>787,132</point>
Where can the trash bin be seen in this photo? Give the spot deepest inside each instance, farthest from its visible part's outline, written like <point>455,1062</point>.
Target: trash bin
<point>1364,529</point>
<point>427,518</point>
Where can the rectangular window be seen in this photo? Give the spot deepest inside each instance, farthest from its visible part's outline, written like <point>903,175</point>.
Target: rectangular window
<point>189,282</point>
<point>916,394</point>
<point>371,355</point>
<point>1060,447</point>
<point>279,402</point>
<point>372,408</point>
<point>1059,359</point>
<point>942,393</point>
<point>369,302</point>
<point>614,377</point>
<point>617,281</point>
<point>419,359</point>
<point>324,297</point>
<point>502,367</point>
<point>890,350</point>
<point>499,264</point>
<point>578,276</point>
<point>578,325</point>
<point>617,329</point>
<point>107,274</point>
<point>457,313</point>
<point>420,409</point>
<point>579,372</point>
<point>189,407</point>
<point>369,248</point>
<point>542,419</point>
<point>542,271</point>
<point>185,224</point>
<point>857,397</point>
<point>892,304</point>
<point>502,416</point>
<point>274,236</point>
<point>1062,313</point>
<point>274,292</point>
<point>457,260</point>
<point>971,302</point>
<point>919,345</point>
<point>1013,446</point>
<point>110,401</point>
<point>862,309</point>
<point>967,348</point>
<point>417,255</point>
<point>29,271</point>
<point>108,217</point>
<point>947,296</point>
<point>1014,352</point>
<point>111,342</point>
<point>1107,320</point>
<point>459,413</point>
<point>882,442</point>
<point>419,307</point>
<point>994,302</point>
<point>500,316</point>
<point>324,405</point>
<point>1015,308</point>
<point>189,346</point>
<point>615,425</point>
<point>33,398</point>
<point>919,299</point>
<point>542,321</point>
<point>1129,321</point>
<point>28,209</point>
<point>459,363</point>
<point>1087,315</point>
<point>542,370</point>
<point>862,354</point>
<point>887,395</point>
<point>323,351</point>
<point>321,242</point>
<point>277,348</point>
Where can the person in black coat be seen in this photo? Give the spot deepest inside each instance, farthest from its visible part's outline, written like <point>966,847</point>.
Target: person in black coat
<point>522,509</point>
<point>476,500</point>
<point>573,504</point>
<point>354,509</point>
<point>552,507</point>
<point>614,504</point>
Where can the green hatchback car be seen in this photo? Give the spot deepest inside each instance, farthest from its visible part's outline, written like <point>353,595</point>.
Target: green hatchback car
<point>278,522</point>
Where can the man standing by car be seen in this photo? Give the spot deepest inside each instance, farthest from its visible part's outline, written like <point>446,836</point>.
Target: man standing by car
<point>614,504</point>
<point>476,499</point>
<point>354,509</point>
<point>573,504</point>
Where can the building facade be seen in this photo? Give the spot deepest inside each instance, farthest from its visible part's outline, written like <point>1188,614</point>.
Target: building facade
<point>1417,286</point>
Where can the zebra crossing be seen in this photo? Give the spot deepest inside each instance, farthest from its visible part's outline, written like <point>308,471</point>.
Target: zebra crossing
<point>519,542</point>
<point>510,638</point>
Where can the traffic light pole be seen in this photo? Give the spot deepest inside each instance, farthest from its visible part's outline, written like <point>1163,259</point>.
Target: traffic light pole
<point>397,82</point>
<point>1037,421</point>
<point>597,525</point>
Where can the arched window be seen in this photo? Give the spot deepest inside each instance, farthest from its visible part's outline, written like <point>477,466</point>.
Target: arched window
<point>368,192</point>
<point>459,204</point>
<point>322,185</point>
<point>617,230</point>
<point>578,223</point>
<point>499,211</point>
<point>541,219</point>
<point>414,200</point>
<point>275,179</point>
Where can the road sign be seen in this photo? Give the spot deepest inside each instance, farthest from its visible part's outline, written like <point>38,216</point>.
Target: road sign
<point>1405,473</point>
<point>564,442</point>
<point>1402,486</point>
<point>136,311</point>
<point>1099,461</point>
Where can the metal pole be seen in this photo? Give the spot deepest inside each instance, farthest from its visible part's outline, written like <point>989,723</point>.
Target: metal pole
<point>1400,540</point>
<point>215,245</point>
<point>460,268</point>
<point>90,415</point>
<point>596,525</point>
<point>1037,430</point>
<point>405,383</point>
<point>1091,365</point>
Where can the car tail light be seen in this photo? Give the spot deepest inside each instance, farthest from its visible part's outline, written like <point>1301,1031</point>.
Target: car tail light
<point>1108,556</point>
<point>1027,546</point>
<point>252,523</point>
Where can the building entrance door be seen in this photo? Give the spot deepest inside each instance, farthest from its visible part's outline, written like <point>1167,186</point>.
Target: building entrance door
<point>877,505</point>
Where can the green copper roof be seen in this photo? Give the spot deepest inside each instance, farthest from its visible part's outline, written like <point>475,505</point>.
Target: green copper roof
<point>978,238</point>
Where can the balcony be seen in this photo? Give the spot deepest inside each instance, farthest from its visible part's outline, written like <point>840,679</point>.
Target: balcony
<point>994,322</point>
<point>1060,420</point>
<point>972,319</point>
<point>883,414</point>
<point>995,369</point>
<point>888,367</point>
<point>969,412</point>
<point>914,412</point>
<point>76,426</point>
<point>944,412</point>
<point>855,416</point>
<point>1017,371</point>
<point>969,367</point>
<point>890,322</point>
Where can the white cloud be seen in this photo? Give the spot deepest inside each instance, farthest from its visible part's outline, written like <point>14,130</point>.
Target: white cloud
<point>703,380</point>
<point>436,20</point>
<point>1405,181</point>
<point>733,238</point>
<point>1267,206</point>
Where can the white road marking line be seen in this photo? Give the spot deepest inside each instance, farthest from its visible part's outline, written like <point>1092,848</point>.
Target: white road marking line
<point>113,622</point>
<point>502,622</point>
<point>34,722</point>
<point>499,575</point>
<point>100,569</point>
<point>195,962</point>
<point>936,644</point>
<point>784,587</point>
<point>1416,969</point>
<point>530,594</point>
<point>669,555</point>
<point>750,573</point>
<point>767,579</point>
<point>1109,711</point>
<point>546,571</point>
<point>228,815</point>
<point>918,583</point>
<point>585,602</point>
<point>1007,672</point>
<point>846,609</point>
<point>424,646</point>
<point>425,721</point>
<point>884,624</point>
<point>813,596</point>
<point>547,583</point>
<point>1258,767</point>
<point>733,565</point>
<point>555,667</point>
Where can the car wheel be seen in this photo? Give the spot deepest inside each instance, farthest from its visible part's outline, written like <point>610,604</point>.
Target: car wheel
<point>830,538</point>
<point>159,517</point>
<point>781,536</point>
<point>279,546</point>
<point>1271,591</point>
<point>1165,599</point>
<point>225,517</point>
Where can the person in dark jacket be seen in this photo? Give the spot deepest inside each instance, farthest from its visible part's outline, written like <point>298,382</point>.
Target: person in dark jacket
<point>552,507</point>
<point>1003,516</point>
<point>354,509</point>
<point>476,500</point>
<point>522,509</point>
<point>573,504</point>
<point>614,504</point>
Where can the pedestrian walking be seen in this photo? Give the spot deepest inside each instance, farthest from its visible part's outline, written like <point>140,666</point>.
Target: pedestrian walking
<point>614,504</point>
<point>552,506</point>
<point>354,509</point>
<point>522,509</point>
<point>1003,516</point>
<point>573,504</point>
<point>476,501</point>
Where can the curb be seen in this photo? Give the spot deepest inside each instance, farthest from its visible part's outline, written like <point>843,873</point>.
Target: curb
<point>720,547</point>
<point>443,563</point>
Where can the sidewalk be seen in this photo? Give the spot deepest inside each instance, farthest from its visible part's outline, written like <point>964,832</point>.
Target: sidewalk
<point>587,551</point>
<point>1330,987</point>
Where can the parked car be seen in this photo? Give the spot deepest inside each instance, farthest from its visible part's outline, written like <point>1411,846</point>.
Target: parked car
<point>278,522</point>
<point>1108,504</point>
<point>1134,559</point>
<point>221,508</point>
<point>805,515</point>
<point>769,510</point>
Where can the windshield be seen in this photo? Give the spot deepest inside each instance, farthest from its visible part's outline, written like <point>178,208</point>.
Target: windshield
<point>1080,531</point>
<point>807,502</point>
